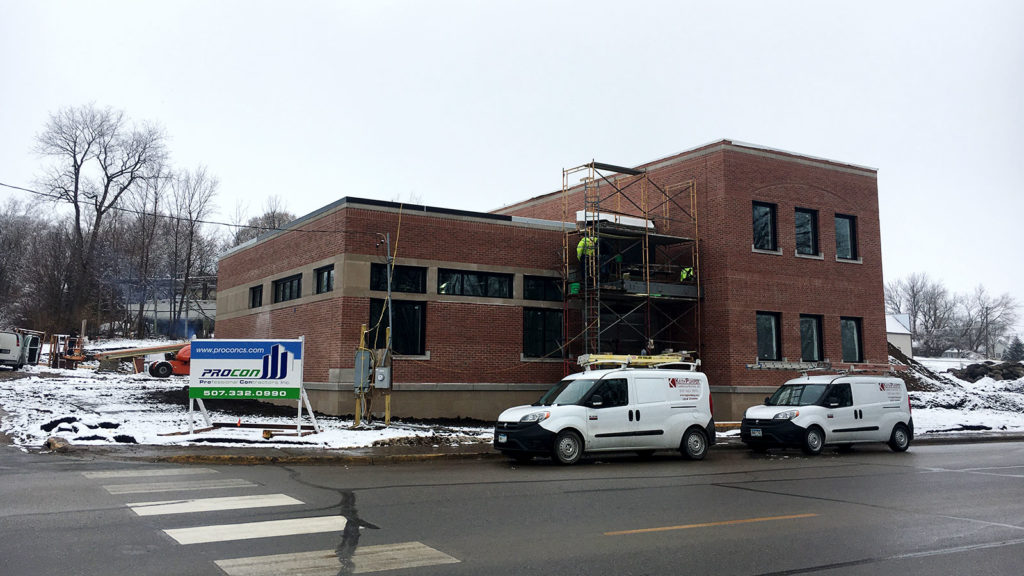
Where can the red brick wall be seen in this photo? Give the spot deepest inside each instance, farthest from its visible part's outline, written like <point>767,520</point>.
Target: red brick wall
<point>738,282</point>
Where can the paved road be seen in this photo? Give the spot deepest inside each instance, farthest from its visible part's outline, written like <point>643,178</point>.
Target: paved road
<point>940,509</point>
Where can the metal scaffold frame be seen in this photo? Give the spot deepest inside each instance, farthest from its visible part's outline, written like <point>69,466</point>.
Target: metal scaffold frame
<point>625,212</point>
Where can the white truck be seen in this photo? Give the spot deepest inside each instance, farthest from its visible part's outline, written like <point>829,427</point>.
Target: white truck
<point>17,349</point>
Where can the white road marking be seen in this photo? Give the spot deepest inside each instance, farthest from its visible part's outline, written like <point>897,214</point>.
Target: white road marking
<point>144,472</point>
<point>326,563</point>
<point>211,504</point>
<point>249,530</point>
<point>176,486</point>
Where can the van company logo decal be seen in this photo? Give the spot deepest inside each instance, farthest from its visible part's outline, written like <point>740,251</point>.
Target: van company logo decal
<point>676,382</point>
<point>275,367</point>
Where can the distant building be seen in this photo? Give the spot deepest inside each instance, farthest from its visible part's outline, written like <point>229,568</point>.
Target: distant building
<point>784,250</point>
<point>897,332</point>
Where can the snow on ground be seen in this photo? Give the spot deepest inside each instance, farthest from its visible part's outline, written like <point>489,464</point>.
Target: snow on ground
<point>103,408</point>
<point>955,405</point>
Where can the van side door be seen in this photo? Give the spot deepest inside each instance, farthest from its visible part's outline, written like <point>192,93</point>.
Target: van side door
<point>843,421</point>
<point>610,424</point>
<point>651,413</point>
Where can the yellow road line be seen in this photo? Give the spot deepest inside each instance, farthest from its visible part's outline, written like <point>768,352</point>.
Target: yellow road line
<point>710,524</point>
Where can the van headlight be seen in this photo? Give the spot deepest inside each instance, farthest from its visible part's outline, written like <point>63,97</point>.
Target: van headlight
<point>787,415</point>
<point>535,417</point>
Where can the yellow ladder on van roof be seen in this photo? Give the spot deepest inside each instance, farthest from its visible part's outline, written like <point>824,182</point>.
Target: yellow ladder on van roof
<point>590,361</point>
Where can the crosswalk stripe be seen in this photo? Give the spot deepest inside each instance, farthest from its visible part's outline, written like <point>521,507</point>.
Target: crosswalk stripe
<point>141,488</point>
<point>325,562</point>
<point>143,472</point>
<point>211,504</point>
<point>249,530</point>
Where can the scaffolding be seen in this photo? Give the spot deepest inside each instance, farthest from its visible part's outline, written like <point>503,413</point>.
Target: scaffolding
<point>631,262</point>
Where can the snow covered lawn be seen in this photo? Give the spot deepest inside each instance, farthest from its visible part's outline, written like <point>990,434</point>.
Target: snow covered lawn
<point>102,408</point>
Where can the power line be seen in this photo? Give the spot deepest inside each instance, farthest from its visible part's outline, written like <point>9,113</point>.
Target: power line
<point>182,219</point>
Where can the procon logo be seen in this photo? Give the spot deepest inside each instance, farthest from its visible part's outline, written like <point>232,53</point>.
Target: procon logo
<point>275,367</point>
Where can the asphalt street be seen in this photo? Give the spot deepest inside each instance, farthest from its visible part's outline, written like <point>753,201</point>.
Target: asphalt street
<point>937,509</point>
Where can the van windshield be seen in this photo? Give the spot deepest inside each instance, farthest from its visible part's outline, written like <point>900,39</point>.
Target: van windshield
<point>566,392</point>
<point>797,395</point>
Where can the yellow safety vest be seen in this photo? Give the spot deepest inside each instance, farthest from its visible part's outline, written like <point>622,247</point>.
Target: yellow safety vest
<point>585,247</point>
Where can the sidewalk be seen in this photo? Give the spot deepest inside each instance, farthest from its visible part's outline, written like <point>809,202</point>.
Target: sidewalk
<point>383,455</point>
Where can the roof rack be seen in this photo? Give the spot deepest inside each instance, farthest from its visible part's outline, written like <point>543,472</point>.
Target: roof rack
<point>681,360</point>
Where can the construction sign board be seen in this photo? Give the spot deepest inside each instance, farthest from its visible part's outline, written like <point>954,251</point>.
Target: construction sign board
<point>246,369</point>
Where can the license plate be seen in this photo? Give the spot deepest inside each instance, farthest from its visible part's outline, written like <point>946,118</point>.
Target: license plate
<point>502,438</point>
<point>755,432</point>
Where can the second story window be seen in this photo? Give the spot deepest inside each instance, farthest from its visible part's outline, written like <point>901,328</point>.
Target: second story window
<point>542,288</point>
<point>256,296</point>
<point>846,237</point>
<point>324,279</point>
<point>471,283</point>
<point>765,237</point>
<point>288,288</point>
<point>806,231</point>
<point>403,278</point>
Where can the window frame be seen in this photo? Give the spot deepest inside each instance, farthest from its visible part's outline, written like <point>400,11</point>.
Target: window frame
<point>548,348</point>
<point>379,278</point>
<point>256,296</point>
<point>773,226</point>
<point>482,278</point>
<point>815,245</point>
<point>418,341</point>
<point>820,344</point>
<point>284,287</point>
<point>858,326</point>
<point>551,288</point>
<point>776,336</point>
<point>854,248</point>
<point>318,276</point>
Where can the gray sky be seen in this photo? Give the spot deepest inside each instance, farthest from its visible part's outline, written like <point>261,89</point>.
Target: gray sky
<point>476,105</point>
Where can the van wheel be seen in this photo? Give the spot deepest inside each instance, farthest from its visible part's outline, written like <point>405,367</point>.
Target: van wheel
<point>694,445</point>
<point>899,441</point>
<point>568,447</point>
<point>161,370</point>
<point>814,440</point>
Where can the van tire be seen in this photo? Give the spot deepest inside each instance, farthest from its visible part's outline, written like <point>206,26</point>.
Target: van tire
<point>899,441</point>
<point>694,445</point>
<point>568,447</point>
<point>161,370</point>
<point>814,441</point>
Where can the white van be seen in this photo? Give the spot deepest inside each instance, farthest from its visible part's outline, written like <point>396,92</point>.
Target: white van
<point>10,350</point>
<point>621,409</point>
<point>815,411</point>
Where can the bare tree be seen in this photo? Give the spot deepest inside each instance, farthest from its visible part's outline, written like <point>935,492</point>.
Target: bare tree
<point>192,193</point>
<point>97,159</point>
<point>274,216</point>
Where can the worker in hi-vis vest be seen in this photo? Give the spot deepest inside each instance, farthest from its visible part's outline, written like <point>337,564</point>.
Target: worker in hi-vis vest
<point>686,274</point>
<point>585,249</point>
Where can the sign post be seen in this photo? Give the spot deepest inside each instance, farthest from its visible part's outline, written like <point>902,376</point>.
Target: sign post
<point>248,370</point>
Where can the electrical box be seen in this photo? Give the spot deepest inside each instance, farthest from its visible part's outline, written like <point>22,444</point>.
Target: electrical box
<point>362,371</point>
<point>382,377</point>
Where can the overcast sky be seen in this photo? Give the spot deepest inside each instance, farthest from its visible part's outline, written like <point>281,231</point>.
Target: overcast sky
<point>476,105</point>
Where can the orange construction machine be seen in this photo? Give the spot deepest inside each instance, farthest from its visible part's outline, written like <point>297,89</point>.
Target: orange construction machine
<point>173,363</point>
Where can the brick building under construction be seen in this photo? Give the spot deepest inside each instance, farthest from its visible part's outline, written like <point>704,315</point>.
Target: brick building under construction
<point>758,262</point>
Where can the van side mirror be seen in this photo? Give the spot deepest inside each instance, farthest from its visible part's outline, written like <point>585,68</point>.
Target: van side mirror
<point>767,400</point>
<point>596,401</point>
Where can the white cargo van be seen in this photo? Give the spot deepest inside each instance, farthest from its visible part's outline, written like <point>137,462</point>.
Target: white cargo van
<point>10,350</point>
<point>812,412</point>
<point>621,409</point>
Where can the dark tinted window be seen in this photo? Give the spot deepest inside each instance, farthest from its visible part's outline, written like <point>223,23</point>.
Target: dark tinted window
<point>256,296</point>
<point>542,288</point>
<point>471,283</point>
<point>811,349</point>
<point>408,335</point>
<point>768,345</point>
<point>765,237</point>
<point>838,395</point>
<point>846,237</point>
<point>806,231</point>
<point>288,288</point>
<point>613,392</point>
<point>542,333</point>
<point>403,278</point>
<point>324,279</point>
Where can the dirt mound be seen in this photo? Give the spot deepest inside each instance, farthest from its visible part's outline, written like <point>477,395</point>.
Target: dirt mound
<point>917,378</point>
<point>1004,371</point>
